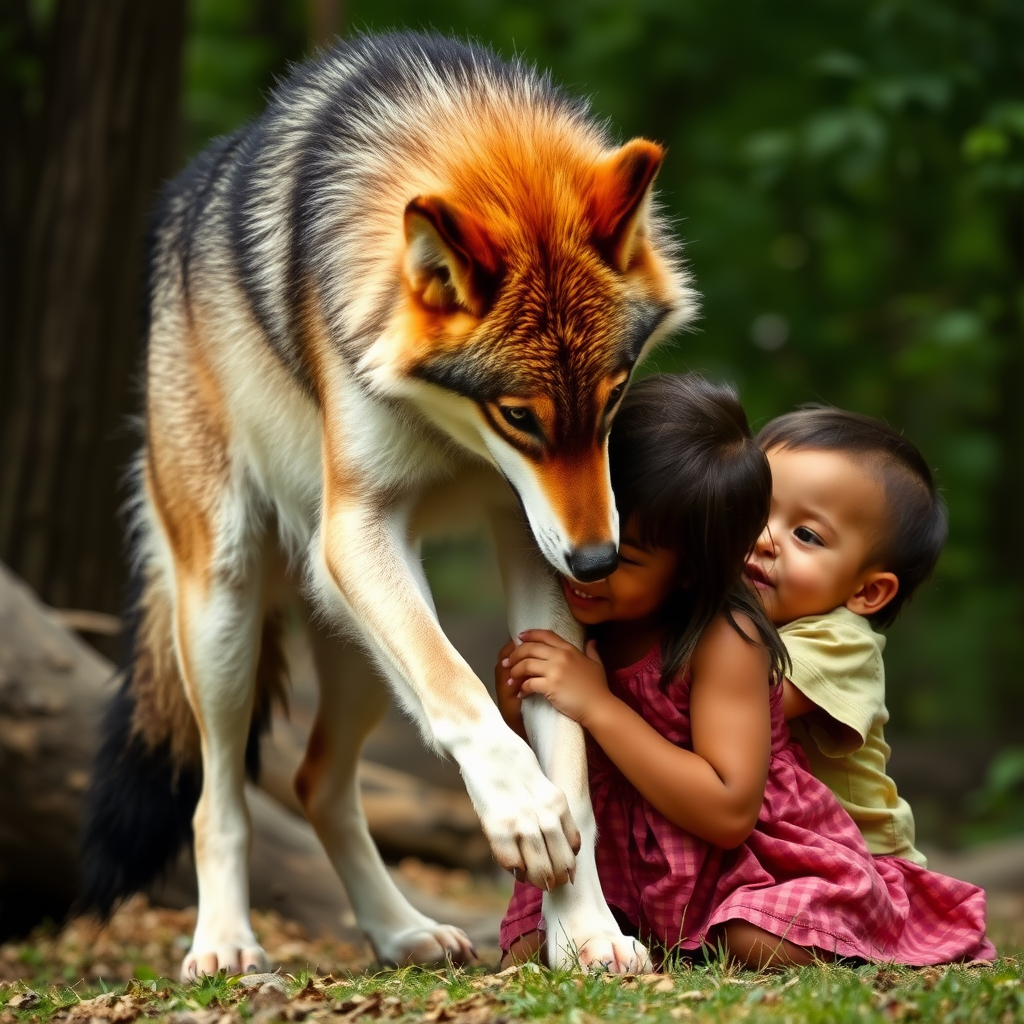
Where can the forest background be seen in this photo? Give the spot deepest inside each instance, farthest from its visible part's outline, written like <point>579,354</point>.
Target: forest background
<point>847,176</point>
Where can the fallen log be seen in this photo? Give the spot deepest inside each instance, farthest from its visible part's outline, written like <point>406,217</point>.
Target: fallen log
<point>53,688</point>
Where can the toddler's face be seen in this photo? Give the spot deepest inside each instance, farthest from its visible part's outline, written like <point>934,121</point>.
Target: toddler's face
<point>827,514</point>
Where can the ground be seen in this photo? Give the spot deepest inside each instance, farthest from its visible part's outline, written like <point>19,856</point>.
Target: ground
<point>85,973</point>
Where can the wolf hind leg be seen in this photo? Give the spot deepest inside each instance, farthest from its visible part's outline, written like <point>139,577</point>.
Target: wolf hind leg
<point>217,635</point>
<point>328,788</point>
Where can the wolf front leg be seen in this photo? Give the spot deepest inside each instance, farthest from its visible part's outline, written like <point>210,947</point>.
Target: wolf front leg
<point>580,928</point>
<point>367,562</point>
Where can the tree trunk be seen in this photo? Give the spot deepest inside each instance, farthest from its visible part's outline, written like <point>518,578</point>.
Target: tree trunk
<point>106,136</point>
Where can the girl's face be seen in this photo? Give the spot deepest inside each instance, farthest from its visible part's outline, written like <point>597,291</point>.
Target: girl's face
<point>636,590</point>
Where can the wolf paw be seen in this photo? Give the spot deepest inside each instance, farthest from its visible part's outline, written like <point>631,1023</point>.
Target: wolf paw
<point>232,959</point>
<point>527,821</point>
<point>426,943</point>
<point>605,951</point>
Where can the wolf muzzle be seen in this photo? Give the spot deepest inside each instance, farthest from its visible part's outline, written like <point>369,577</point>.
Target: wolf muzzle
<point>593,562</point>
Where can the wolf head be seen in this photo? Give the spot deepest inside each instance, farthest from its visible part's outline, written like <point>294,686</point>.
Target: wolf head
<point>529,291</point>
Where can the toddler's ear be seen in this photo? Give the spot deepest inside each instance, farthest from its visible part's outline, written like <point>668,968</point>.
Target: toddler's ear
<point>876,590</point>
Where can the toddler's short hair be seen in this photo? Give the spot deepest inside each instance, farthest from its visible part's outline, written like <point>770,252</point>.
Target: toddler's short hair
<point>916,523</point>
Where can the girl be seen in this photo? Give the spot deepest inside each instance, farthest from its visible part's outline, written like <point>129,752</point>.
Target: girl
<point>712,829</point>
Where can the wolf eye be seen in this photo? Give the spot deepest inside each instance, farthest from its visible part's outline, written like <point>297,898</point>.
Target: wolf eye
<point>521,418</point>
<point>613,397</point>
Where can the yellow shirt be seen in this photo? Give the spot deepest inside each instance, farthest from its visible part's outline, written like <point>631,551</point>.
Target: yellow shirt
<point>837,664</point>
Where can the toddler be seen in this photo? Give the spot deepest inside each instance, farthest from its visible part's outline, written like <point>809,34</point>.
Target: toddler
<point>855,527</point>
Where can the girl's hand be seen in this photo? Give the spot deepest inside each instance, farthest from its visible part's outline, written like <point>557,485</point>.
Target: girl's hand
<point>573,681</point>
<point>506,692</point>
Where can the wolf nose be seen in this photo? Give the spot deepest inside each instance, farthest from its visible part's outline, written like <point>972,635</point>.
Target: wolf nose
<point>593,562</point>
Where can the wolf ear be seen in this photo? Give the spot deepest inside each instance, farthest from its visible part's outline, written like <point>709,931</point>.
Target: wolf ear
<point>450,260</point>
<point>619,200</point>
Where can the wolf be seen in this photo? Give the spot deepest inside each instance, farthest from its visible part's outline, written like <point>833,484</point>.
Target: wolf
<point>411,292</point>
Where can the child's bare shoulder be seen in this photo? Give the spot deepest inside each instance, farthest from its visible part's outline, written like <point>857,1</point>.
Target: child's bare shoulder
<point>732,641</point>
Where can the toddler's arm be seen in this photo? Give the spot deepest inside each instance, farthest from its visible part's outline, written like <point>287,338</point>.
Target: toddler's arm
<point>794,702</point>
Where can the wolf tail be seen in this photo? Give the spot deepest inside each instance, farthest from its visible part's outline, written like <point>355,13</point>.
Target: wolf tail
<point>138,809</point>
<point>147,774</point>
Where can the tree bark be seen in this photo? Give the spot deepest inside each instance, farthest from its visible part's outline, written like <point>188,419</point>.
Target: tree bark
<point>106,136</point>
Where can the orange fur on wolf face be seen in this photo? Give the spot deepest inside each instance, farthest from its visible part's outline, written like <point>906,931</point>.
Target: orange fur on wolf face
<point>533,295</point>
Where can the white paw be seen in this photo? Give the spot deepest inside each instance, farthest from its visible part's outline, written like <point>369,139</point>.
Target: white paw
<point>243,957</point>
<point>524,815</point>
<point>606,951</point>
<point>425,943</point>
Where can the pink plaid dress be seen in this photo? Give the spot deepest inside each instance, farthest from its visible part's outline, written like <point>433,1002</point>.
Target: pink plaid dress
<point>805,873</point>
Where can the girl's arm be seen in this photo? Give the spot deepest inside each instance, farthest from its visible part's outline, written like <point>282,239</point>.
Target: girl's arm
<point>509,705</point>
<point>715,790</point>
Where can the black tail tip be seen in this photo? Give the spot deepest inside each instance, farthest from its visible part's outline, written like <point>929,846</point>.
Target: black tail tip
<point>137,814</point>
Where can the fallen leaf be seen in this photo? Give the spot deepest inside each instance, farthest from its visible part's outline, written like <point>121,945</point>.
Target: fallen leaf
<point>257,981</point>
<point>489,981</point>
<point>206,1016</point>
<point>884,980</point>
<point>311,993</point>
<point>360,1006</point>
<point>24,1000</point>
<point>475,1009</point>
<point>391,1006</point>
<point>266,1002</point>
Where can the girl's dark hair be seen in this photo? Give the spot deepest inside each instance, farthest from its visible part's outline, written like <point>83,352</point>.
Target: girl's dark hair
<point>915,527</point>
<point>687,474</point>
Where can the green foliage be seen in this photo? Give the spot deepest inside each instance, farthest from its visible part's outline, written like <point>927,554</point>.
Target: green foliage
<point>999,803</point>
<point>234,50</point>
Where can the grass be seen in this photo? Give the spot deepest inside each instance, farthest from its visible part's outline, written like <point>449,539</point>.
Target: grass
<point>831,994</point>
